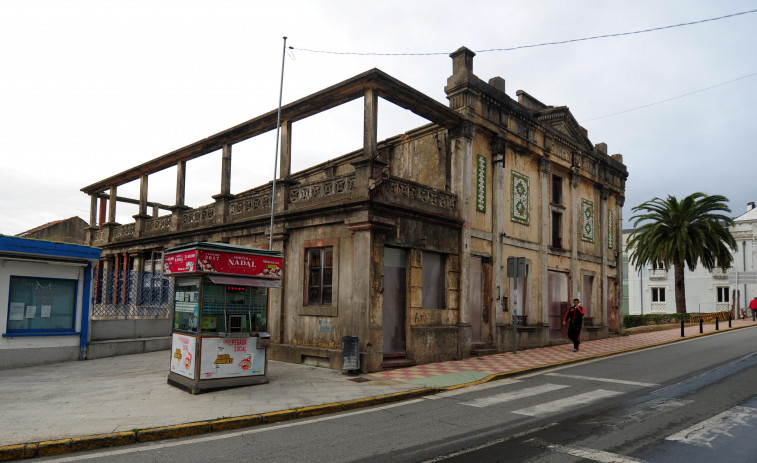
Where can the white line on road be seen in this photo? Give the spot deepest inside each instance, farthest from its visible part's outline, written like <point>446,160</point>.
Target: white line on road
<point>469,389</point>
<point>604,380</point>
<point>705,432</point>
<point>567,403</point>
<point>514,395</point>
<point>583,452</point>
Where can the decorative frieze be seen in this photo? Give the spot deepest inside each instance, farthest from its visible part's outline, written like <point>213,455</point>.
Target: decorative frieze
<point>201,214</point>
<point>313,191</point>
<point>417,192</point>
<point>521,198</point>
<point>158,223</point>
<point>243,206</point>
<point>123,230</point>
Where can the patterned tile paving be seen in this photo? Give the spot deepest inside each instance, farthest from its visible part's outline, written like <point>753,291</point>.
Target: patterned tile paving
<point>508,362</point>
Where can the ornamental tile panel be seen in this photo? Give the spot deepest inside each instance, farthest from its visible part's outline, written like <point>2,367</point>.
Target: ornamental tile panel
<point>610,230</point>
<point>587,220</point>
<point>521,198</point>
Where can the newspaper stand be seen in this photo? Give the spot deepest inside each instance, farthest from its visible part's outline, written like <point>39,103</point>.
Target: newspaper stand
<point>220,336</point>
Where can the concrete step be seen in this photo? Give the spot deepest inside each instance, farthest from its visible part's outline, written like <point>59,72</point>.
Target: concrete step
<point>397,362</point>
<point>482,352</point>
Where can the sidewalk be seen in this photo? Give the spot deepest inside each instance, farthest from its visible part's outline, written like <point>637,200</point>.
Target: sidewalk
<point>75,406</point>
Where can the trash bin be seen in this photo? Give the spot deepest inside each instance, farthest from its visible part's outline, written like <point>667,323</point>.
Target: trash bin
<point>350,353</point>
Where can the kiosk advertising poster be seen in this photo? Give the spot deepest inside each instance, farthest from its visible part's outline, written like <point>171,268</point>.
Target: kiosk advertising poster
<point>231,357</point>
<point>203,260</point>
<point>182,358</point>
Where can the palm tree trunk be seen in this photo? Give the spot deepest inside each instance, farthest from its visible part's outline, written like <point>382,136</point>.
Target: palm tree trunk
<point>678,268</point>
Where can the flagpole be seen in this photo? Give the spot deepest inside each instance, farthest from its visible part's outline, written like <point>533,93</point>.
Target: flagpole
<point>276,154</point>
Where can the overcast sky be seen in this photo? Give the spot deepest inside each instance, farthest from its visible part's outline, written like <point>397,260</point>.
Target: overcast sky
<point>91,88</point>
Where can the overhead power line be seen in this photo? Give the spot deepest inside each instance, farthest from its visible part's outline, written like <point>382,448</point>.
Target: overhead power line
<point>671,99</point>
<point>619,34</point>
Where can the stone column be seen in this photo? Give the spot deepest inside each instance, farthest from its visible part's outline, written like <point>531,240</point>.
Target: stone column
<point>619,261</point>
<point>604,195</point>
<point>499,148</point>
<point>285,169</point>
<point>139,219</point>
<point>370,123</point>
<point>222,199</point>
<point>179,207</point>
<point>92,219</point>
<point>545,168</point>
<point>462,186</point>
<point>112,206</point>
<point>575,179</point>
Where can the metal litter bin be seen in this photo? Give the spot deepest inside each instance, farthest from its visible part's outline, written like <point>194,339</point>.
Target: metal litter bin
<point>350,353</point>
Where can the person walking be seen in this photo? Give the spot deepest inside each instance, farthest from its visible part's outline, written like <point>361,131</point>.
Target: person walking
<point>753,307</point>
<point>574,317</point>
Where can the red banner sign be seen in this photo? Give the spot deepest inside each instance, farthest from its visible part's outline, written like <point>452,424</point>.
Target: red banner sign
<point>202,260</point>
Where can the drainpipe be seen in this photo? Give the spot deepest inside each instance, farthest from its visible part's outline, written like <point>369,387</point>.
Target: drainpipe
<point>641,290</point>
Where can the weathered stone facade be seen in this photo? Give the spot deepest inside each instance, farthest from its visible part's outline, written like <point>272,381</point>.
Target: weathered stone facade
<point>404,242</point>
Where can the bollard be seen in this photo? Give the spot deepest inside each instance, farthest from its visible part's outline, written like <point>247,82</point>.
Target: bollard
<point>729,320</point>
<point>682,327</point>
<point>717,328</point>
<point>700,326</point>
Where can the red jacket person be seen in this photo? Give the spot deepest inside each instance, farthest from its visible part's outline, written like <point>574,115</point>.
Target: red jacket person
<point>574,318</point>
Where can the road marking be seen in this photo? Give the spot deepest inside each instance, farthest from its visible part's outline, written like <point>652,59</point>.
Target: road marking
<point>514,395</point>
<point>572,401</point>
<point>489,444</point>
<point>583,452</point>
<point>478,387</point>
<point>705,432</point>
<point>604,380</point>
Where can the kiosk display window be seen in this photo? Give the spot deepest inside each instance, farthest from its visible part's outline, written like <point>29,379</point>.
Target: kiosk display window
<point>233,308</point>
<point>187,305</point>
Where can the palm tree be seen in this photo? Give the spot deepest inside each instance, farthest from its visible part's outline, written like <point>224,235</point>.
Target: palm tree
<point>686,232</point>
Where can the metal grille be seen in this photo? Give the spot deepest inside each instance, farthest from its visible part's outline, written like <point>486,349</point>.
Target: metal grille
<point>131,294</point>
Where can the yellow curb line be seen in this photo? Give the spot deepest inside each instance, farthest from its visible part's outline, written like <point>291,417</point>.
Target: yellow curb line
<point>99,441</point>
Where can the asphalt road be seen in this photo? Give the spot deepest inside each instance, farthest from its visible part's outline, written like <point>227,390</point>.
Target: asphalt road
<point>692,401</point>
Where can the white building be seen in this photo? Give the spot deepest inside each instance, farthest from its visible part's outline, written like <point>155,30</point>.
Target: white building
<point>653,289</point>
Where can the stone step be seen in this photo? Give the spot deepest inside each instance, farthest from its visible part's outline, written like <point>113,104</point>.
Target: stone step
<point>397,362</point>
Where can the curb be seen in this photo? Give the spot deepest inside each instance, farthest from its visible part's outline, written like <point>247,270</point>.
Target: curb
<point>101,441</point>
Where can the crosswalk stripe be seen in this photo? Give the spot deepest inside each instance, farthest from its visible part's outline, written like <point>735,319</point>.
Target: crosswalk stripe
<point>469,389</point>
<point>583,452</point>
<point>604,380</point>
<point>514,395</point>
<point>566,403</point>
<point>705,432</point>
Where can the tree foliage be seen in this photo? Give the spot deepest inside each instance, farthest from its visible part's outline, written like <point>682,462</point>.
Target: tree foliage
<point>682,233</point>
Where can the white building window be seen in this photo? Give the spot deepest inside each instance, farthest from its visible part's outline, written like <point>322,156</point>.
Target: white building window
<point>658,294</point>
<point>723,292</point>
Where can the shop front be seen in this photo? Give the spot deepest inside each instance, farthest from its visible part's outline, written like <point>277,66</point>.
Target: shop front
<point>220,336</point>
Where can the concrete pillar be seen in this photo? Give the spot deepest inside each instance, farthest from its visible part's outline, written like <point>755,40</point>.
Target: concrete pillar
<point>370,123</point>
<point>143,195</point>
<point>112,206</point>
<point>617,230</point>
<point>285,169</point>
<point>604,194</point>
<point>499,148</point>
<point>181,178</point>
<point>574,233</point>
<point>462,186</point>
<point>226,170</point>
<point>542,311</point>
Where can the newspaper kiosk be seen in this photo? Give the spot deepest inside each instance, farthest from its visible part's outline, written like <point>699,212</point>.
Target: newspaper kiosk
<point>220,336</point>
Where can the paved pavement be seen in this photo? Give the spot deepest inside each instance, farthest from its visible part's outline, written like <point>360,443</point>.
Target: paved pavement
<point>74,406</point>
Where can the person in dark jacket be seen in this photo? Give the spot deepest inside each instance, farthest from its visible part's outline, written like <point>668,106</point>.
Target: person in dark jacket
<point>574,317</point>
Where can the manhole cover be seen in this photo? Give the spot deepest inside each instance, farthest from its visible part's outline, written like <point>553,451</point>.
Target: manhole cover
<point>360,380</point>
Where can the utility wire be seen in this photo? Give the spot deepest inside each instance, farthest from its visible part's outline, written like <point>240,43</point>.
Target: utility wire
<point>534,45</point>
<point>671,99</point>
